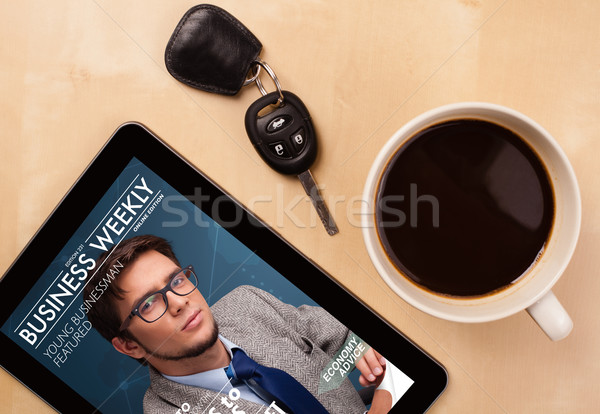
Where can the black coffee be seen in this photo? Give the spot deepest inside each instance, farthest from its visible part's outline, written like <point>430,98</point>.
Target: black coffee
<point>464,208</point>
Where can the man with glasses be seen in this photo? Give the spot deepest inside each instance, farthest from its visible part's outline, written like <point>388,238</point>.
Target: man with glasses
<point>249,352</point>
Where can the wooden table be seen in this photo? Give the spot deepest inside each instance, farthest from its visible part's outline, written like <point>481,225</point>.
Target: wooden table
<point>73,70</point>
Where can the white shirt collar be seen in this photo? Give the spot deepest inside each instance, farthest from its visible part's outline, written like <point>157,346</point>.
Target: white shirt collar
<point>216,379</point>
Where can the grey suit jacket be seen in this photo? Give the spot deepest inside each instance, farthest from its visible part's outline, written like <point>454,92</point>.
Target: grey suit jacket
<point>300,341</point>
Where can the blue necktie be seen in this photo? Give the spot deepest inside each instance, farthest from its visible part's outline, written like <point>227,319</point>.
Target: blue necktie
<point>272,384</point>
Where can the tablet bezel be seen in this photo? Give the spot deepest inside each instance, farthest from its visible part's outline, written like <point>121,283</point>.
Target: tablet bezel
<point>135,140</point>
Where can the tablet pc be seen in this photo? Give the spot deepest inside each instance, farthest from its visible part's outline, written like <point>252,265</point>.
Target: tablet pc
<point>138,188</point>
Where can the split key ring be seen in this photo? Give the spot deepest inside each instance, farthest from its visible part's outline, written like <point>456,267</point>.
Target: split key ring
<point>256,78</point>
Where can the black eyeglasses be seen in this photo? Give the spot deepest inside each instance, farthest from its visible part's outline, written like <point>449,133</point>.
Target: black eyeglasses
<point>152,307</point>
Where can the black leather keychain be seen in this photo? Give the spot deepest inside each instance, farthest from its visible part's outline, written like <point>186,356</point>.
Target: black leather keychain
<point>213,51</point>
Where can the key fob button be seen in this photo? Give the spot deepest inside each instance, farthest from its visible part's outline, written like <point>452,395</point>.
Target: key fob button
<point>278,123</point>
<point>279,150</point>
<point>298,140</point>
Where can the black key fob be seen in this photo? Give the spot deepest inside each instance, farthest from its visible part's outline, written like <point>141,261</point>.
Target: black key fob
<point>211,50</point>
<point>284,137</point>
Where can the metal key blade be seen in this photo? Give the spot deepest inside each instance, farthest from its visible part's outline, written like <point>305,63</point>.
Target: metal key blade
<point>313,192</point>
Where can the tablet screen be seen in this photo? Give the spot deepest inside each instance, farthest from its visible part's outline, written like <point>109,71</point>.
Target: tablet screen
<point>146,249</point>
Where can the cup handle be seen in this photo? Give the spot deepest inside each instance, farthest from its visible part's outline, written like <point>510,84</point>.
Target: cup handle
<point>550,315</point>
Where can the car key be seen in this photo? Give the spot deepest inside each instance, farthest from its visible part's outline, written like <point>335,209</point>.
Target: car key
<point>286,141</point>
<point>213,51</point>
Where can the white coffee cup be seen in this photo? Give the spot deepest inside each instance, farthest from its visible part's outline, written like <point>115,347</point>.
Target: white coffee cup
<point>533,290</point>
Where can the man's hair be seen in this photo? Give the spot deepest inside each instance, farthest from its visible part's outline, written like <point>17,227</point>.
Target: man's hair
<point>103,312</point>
